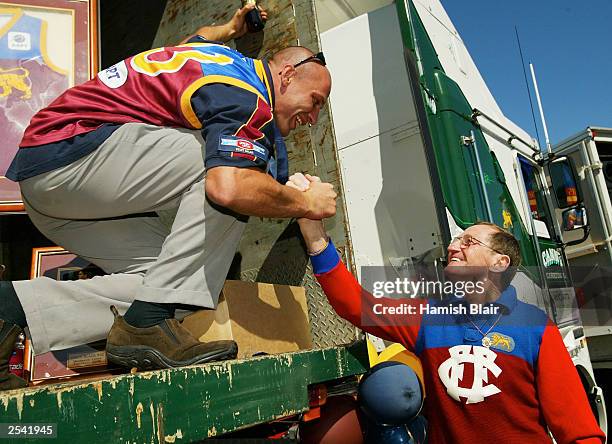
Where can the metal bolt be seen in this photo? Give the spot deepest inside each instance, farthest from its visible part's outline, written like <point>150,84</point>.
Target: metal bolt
<point>467,140</point>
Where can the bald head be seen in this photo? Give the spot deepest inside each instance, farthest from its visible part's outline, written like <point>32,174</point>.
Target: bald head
<point>291,55</point>
<point>300,91</point>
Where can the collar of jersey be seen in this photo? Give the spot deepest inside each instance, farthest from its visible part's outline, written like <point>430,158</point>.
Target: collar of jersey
<point>270,82</point>
<point>507,299</point>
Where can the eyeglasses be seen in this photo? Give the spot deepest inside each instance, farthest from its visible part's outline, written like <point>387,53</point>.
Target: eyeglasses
<point>318,57</point>
<point>467,240</point>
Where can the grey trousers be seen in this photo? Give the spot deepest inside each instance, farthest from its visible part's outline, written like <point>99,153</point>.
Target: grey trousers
<point>88,208</point>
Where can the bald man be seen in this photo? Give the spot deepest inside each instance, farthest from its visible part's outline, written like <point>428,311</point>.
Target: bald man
<point>196,129</point>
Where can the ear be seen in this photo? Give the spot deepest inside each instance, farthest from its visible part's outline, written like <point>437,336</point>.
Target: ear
<point>502,262</point>
<point>286,75</point>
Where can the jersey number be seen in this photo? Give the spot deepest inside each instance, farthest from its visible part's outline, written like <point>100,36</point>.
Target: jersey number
<point>143,64</point>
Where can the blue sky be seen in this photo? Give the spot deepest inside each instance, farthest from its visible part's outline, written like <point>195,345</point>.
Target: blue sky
<point>570,44</point>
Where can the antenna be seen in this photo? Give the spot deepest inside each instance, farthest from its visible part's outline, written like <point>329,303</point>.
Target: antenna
<point>535,85</point>
<point>535,125</point>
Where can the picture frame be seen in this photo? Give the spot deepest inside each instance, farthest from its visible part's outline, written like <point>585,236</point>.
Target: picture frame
<point>55,263</point>
<point>46,47</point>
<point>76,362</point>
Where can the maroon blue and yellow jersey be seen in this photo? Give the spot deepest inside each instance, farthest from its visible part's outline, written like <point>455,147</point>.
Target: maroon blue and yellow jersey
<point>200,85</point>
<point>510,389</point>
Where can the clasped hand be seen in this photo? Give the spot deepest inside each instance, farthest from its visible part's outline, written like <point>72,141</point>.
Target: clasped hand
<point>321,199</point>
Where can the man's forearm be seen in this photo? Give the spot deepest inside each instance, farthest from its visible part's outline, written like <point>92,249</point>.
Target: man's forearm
<point>264,197</point>
<point>359,307</point>
<point>314,234</point>
<point>234,28</point>
<point>221,33</point>
<point>254,193</point>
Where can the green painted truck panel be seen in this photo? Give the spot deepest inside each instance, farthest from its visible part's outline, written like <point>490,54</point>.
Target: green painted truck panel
<point>449,117</point>
<point>182,405</point>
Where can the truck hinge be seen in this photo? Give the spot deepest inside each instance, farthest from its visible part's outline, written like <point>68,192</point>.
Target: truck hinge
<point>467,140</point>
<point>595,167</point>
<point>539,158</point>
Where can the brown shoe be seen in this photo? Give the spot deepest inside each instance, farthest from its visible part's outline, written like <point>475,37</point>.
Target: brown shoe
<point>164,345</point>
<point>8,336</point>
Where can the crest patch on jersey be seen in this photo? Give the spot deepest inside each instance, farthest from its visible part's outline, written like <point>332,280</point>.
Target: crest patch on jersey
<point>240,147</point>
<point>500,341</point>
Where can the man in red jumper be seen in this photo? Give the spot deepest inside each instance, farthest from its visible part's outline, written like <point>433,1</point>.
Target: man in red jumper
<point>502,374</point>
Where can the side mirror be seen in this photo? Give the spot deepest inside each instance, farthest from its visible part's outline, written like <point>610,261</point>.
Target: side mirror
<point>565,187</point>
<point>574,218</point>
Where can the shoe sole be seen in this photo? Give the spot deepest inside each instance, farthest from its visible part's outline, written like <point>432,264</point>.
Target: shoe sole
<point>147,358</point>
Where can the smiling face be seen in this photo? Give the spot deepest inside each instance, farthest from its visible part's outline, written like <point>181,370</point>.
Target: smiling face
<point>474,262</point>
<point>301,94</point>
<point>476,255</point>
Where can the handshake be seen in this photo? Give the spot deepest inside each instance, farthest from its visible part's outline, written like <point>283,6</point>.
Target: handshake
<point>320,196</point>
<point>321,199</point>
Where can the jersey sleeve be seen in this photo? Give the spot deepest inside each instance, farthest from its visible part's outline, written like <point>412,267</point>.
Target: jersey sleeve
<point>355,304</point>
<point>562,397</point>
<point>237,126</point>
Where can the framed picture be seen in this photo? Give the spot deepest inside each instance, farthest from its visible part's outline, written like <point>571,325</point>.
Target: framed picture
<point>56,263</point>
<point>46,46</point>
<point>59,264</point>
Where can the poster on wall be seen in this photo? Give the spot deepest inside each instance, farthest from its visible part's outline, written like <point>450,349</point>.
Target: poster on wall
<point>46,46</point>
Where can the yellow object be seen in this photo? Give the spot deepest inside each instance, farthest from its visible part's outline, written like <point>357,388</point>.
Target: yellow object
<point>507,219</point>
<point>398,353</point>
<point>15,78</point>
<point>151,67</point>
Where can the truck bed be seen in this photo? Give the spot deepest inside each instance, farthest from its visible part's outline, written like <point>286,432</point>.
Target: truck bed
<point>185,404</point>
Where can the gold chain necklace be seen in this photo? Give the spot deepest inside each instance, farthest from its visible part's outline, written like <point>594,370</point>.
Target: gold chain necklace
<point>486,342</point>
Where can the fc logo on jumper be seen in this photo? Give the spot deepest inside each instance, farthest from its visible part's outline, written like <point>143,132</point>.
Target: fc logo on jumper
<point>451,372</point>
